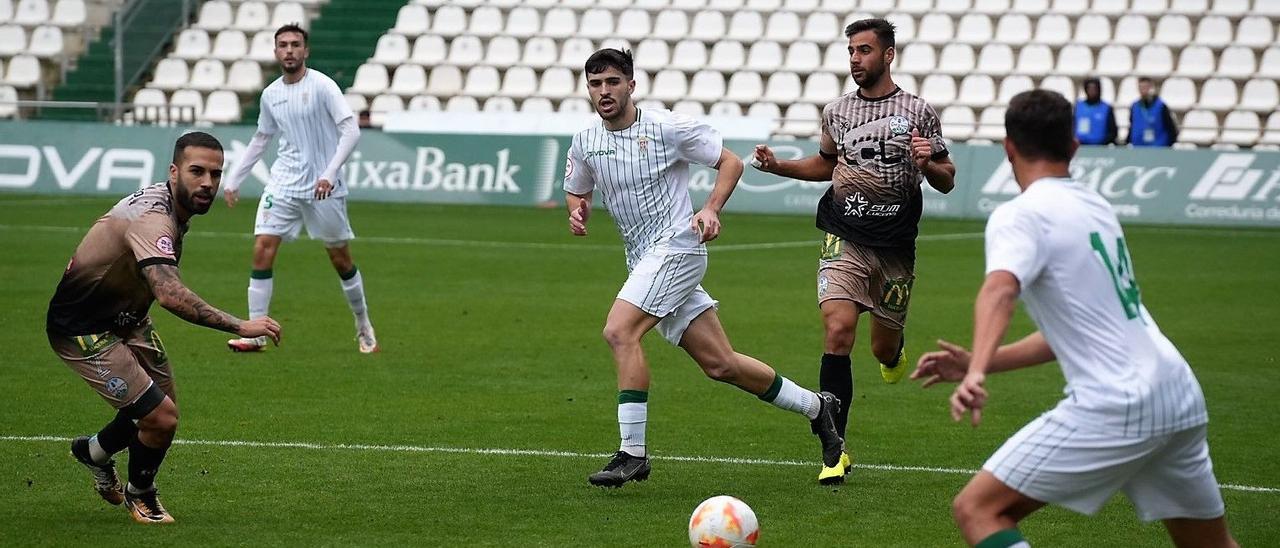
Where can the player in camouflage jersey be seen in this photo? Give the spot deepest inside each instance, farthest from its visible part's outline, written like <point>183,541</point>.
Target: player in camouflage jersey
<point>878,144</point>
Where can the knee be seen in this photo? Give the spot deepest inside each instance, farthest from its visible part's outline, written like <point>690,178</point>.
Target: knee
<point>163,420</point>
<point>719,367</point>
<point>962,510</point>
<point>839,336</point>
<point>619,337</point>
<point>885,351</point>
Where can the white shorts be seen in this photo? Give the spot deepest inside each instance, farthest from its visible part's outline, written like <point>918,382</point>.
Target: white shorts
<point>1165,476</point>
<point>326,220</point>
<point>666,284</point>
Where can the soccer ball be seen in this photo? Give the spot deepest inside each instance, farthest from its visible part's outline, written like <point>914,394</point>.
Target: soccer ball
<point>723,522</point>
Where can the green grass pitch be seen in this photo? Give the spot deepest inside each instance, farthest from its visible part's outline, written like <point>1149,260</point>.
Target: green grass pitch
<point>494,395</point>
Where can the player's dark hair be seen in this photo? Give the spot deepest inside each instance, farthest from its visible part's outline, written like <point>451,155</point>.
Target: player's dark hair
<point>608,58</point>
<point>884,30</point>
<point>292,27</point>
<point>1041,125</point>
<point>1146,79</point>
<point>198,139</point>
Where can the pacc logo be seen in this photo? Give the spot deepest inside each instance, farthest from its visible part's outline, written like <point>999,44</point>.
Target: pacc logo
<point>1100,174</point>
<point>1229,178</point>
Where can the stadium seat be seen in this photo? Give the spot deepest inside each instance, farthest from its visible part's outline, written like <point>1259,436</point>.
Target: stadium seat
<point>1199,127</point>
<point>192,44</point>
<point>1013,85</point>
<point>727,56</point>
<point>1154,59</point>
<point>574,52</point>
<point>519,82</point>
<point>1132,30</point>
<point>1053,29</point>
<point>1149,7</point>
<point>1109,7</point>
<point>1127,91</point>
<point>764,111</point>
<point>1093,30</point>
<point>672,25</point>
<point>1230,8</point>
<point>170,74</point>
<point>444,81</point>
<point>991,7</point>
<point>995,59</point>
<point>356,102</point>
<point>410,80</point>
<point>1189,7</point>
<point>540,52</point>
<point>1218,94</point>
<point>1173,30</point>
<point>938,90</point>
<point>1013,29</point>
<point>412,20</point>
<point>633,24</point>
<point>1114,60</point>
<point>1241,128</point>
<point>642,83</point>
<point>976,90</point>
<point>486,21</point>
<point>382,106</point>
<point>957,122</point>
<point>465,51</point>
<point>1178,93</point>
<point>745,87</point>
<point>148,104</point>
<point>783,26</point>
<point>1034,59</point>
<point>1265,8</point>
<point>725,108</point>
<point>783,87</point>
<point>953,7</point>
<point>914,7</point>
<point>905,81</point>
<point>764,56</point>
<point>956,59</point>
<point>801,6</point>
<point>482,82</point>
<point>23,72</point>
<point>688,55</point>
<point>371,79</point>
<point>1272,134</point>
<point>706,85</point>
<point>1195,62</point>
<point>429,50</point>
<point>1075,60</point>
<point>449,21</point>
<point>222,107</point>
<point>916,59</point>
<point>725,5</point>
<point>503,51</point>
<point>746,26</point>
<point>523,22</point>
<point>499,104</point>
<point>821,88</point>
<point>877,5</point>
<point>1061,84</point>
<point>822,27</point>
<point>935,28</point>
<point>904,31</point>
<point>990,124</point>
<point>803,57</point>
<point>1255,32</point>
<point>46,42</point>
<point>688,108</point>
<point>424,103</point>
<point>391,50</point>
<point>707,26</point>
<point>595,23</point>
<point>244,76</point>
<point>1071,8</point>
<point>652,54</point>
<point>462,103</point>
<point>186,105</point>
<point>1214,31</point>
<point>558,82</point>
<point>262,47</point>
<point>560,23</point>
<point>288,13</point>
<point>230,45</point>
<point>575,105</point>
<point>974,29</point>
<point>208,75</point>
<point>1260,95</point>
<point>252,17</point>
<point>69,13</point>
<point>801,120</point>
<point>1030,7</point>
<point>669,85</point>
<point>1269,66</point>
<point>836,58</point>
<point>215,15</point>
<point>537,105</point>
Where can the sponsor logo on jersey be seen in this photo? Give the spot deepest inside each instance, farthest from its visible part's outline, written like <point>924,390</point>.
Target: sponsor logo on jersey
<point>857,205</point>
<point>898,125</point>
<point>593,153</point>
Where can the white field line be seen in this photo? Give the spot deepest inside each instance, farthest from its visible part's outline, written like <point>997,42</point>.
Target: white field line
<point>554,454</point>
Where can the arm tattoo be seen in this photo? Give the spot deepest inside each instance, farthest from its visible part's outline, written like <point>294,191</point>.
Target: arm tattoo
<point>184,303</point>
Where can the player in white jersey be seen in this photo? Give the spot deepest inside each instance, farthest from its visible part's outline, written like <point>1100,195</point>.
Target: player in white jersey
<point>317,133</point>
<point>639,161</point>
<point>1134,417</point>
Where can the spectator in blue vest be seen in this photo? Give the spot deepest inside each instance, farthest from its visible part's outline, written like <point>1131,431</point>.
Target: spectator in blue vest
<point>1095,119</point>
<point>1150,122</point>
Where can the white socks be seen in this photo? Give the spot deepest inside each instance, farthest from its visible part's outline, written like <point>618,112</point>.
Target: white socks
<point>259,294</point>
<point>353,288</point>
<point>794,398</point>
<point>631,421</point>
<point>96,452</point>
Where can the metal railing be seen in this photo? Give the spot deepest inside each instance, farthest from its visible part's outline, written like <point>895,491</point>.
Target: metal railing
<point>137,39</point>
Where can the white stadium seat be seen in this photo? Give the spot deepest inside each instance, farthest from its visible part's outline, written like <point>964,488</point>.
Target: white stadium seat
<point>557,83</point>
<point>540,52</point>
<point>1149,7</point>
<point>482,82</point>
<point>252,17</point>
<point>286,13</point>
<point>688,55</point>
<point>783,27</point>
<point>537,105</point>
<point>192,44</point>
<point>669,85</point>
<point>821,88</point>
<point>935,28</point>
<point>1109,7</point>
<point>1060,84</point>
<point>956,59</point>
<point>764,56</point>
<point>1053,29</point>
<point>465,51</point>
<point>1230,8</point>
<point>69,13</point>
<point>801,120</point>
<point>916,59</point>
<point>445,81</point>
<point>1114,60</point>
<point>499,104</point>
<point>1093,30</point>
<point>46,42</point>
<point>977,90</point>
<point>412,20</point>
<point>991,7</point>
<point>803,57</point>
<point>652,54</point>
<point>382,106</point>
<point>954,7</point>
<point>560,23</point>
<point>707,85</point>
<point>1255,31</point>
<point>1218,94</point>
<point>1241,128</point>
<point>449,21</point>
<point>519,82</point>
<point>764,111</point>
<point>688,108</point>
<point>595,23</point>
<point>1173,30</point>
<point>1198,127</point>
<point>783,87</point>
<point>745,26</point>
<point>1035,59</point>
<point>707,26</point>
<point>1272,134</point>
<point>633,24</point>
<point>672,25</point>
<point>23,72</point>
<point>822,27</point>
<point>485,21</point>
<point>1069,7</point>
<point>1269,66</point>
<point>1013,85</point>
<point>391,50</point>
<point>1154,59</point>
<point>995,59</point>
<point>262,47</point>
<point>370,79</point>
<point>730,55</point>
<point>1013,29</point>
<point>244,76</point>
<point>1127,91</point>
<point>1132,30</point>
<point>1189,7</point>
<point>149,104</point>
<point>503,51</point>
<point>1075,60</point>
<point>917,7</point>
<point>904,26</point>
<point>215,15</point>
<point>574,52</point>
<point>170,74</point>
<point>410,80</point>
<point>974,29</point>
<point>745,87</point>
<point>186,105</point>
<point>991,124</point>
<point>938,90</point>
<point>725,108</point>
<point>576,105</point>
<point>957,122</point>
<point>523,22</point>
<point>905,81</point>
<point>1214,31</point>
<point>1195,62</point>
<point>1179,93</point>
<point>429,49</point>
<point>1260,95</point>
<point>230,45</point>
<point>223,107</point>
<point>1030,7</point>
<point>208,75</point>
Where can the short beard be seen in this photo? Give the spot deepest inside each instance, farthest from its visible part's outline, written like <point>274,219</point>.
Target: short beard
<point>870,79</point>
<point>188,201</point>
<point>293,70</point>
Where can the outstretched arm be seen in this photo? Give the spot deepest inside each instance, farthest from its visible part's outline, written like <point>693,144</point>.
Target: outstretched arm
<point>991,313</point>
<point>175,297</point>
<point>819,167</point>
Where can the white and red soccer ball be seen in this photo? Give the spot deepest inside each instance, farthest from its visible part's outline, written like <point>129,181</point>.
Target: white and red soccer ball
<point>723,522</point>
